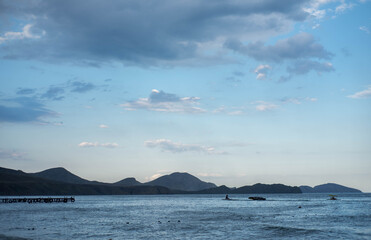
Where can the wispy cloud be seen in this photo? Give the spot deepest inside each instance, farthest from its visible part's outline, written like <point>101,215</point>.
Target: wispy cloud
<point>96,144</point>
<point>300,46</point>
<point>263,106</point>
<point>362,94</point>
<point>103,126</point>
<point>81,87</point>
<point>161,101</point>
<point>176,147</point>
<point>25,91</point>
<point>54,93</point>
<point>365,29</point>
<point>298,100</point>
<point>11,155</point>
<point>23,109</point>
<point>305,66</point>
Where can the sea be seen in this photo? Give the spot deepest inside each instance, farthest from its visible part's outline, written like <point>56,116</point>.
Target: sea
<point>280,216</point>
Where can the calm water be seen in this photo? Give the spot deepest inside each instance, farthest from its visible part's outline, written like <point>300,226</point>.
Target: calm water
<point>191,217</point>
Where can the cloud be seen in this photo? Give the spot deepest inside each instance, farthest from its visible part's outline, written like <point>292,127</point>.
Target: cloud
<point>298,100</point>
<point>23,109</point>
<point>362,94</point>
<point>161,101</point>
<point>343,7</point>
<point>365,29</point>
<point>263,106</point>
<point>26,33</point>
<point>81,87</point>
<point>54,93</point>
<point>141,32</point>
<point>169,146</point>
<point>11,154</point>
<point>25,91</point>
<point>262,71</point>
<point>209,175</point>
<point>305,66</point>
<point>155,176</point>
<point>103,126</point>
<point>300,46</point>
<point>96,144</point>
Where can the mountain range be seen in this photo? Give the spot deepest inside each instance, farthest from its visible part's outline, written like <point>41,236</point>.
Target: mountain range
<point>59,181</point>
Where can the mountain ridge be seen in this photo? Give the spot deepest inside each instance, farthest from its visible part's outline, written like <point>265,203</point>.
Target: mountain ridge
<point>59,181</point>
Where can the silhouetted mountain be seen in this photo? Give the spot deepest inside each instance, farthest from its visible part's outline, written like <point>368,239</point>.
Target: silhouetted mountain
<point>181,181</point>
<point>217,190</point>
<point>307,189</point>
<point>16,183</point>
<point>257,188</point>
<point>62,175</point>
<point>268,188</point>
<point>128,182</point>
<point>329,188</point>
<point>59,181</point>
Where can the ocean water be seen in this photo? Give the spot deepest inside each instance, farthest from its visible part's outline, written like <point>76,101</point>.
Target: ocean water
<point>191,217</point>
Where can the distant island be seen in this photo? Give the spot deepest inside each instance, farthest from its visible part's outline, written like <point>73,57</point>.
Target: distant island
<point>328,188</point>
<point>59,181</point>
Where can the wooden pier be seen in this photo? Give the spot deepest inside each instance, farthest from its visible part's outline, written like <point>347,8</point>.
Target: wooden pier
<point>37,200</point>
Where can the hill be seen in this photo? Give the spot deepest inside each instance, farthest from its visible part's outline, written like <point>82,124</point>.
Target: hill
<point>128,182</point>
<point>61,175</point>
<point>18,183</point>
<point>256,188</point>
<point>181,181</point>
<point>329,188</point>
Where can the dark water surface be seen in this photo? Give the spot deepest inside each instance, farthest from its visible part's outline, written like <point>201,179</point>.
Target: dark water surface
<point>191,217</point>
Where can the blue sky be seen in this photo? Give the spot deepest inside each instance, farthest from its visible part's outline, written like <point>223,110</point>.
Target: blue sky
<point>233,92</point>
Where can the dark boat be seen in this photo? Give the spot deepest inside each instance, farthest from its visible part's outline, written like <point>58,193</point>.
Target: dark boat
<point>257,198</point>
<point>333,197</point>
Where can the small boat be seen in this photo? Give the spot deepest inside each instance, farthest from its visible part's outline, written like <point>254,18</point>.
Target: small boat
<point>333,197</point>
<point>257,198</point>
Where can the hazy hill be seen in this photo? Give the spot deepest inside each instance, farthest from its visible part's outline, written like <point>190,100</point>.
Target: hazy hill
<point>61,175</point>
<point>329,188</point>
<point>256,188</point>
<point>128,182</point>
<point>181,181</point>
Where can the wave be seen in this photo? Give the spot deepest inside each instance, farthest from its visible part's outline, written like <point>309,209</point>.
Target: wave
<point>289,231</point>
<point>5,237</point>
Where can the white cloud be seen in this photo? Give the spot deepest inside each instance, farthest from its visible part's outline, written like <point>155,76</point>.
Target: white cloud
<point>103,126</point>
<point>343,6</point>
<point>209,175</point>
<point>155,176</point>
<point>298,100</point>
<point>263,106</point>
<point>362,94</point>
<point>96,144</point>
<point>26,33</point>
<point>311,99</point>
<point>262,71</point>
<point>170,146</point>
<point>365,29</point>
<point>14,155</point>
<point>161,101</point>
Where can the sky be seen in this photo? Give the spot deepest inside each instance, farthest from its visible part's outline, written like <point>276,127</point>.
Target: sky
<point>233,92</point>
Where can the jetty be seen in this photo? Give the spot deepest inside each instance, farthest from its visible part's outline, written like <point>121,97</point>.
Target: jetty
<point>37,200</point>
